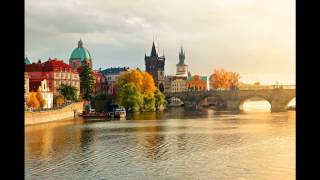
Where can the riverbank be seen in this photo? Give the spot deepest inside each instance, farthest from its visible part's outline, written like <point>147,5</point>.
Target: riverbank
<point>52,115</point>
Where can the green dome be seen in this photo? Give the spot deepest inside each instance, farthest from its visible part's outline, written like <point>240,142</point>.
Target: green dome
<point>27,61</point>
<point>80,53</point>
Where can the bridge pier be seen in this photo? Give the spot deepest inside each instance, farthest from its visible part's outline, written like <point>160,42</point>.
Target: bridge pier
<point>233,105</point>
<point>278,106</point>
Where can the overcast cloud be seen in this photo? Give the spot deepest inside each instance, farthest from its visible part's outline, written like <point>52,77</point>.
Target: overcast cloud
<point>253,37</point>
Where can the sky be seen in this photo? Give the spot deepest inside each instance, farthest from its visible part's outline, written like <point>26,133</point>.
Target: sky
<point>253,37</point>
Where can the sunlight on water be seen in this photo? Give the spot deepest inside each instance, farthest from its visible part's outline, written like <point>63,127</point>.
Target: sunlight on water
<point>176,144</point>
<point>256,106</point>
<point>292,102</point>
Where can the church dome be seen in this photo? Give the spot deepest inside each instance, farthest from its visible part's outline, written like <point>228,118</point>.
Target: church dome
<point>27,61</point>
<point>80,53</point>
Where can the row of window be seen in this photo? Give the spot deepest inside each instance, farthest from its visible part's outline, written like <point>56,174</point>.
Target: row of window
<point>66,75</point>
<point>71,83</point>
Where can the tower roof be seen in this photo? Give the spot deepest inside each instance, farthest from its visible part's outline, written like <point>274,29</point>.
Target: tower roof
<point>154,50</point>
<point>182,56</point>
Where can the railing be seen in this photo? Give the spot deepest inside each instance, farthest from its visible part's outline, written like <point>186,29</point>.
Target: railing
<point>50,109</point>
<point>269,87</point>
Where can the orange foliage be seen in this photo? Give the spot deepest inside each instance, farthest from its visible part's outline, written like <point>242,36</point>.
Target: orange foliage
<point>40,98</point>
<point>148,86</point>
<point>196,83</point>
<point>142,80</point>
<point>33,100</point>
<point>224,80</point>
<point>59,100</point>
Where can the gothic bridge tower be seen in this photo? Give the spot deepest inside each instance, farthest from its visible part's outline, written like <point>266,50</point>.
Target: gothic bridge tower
<point>155,66</point>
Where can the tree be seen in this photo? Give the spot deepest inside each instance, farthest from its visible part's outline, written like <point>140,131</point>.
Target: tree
<point>148,87</point>
<point>137,91</point>
<point>59,100</point>
<point>149,103</point>
<point>159,98</point>
<point>130,97</point>
<point>40,98</point>
<point>224,80</point>
<point>233,78</point>
<point>86,80</point>
<point>69,92</point>
<point>33,100</point>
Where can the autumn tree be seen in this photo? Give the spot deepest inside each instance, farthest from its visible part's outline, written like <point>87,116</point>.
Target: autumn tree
<point>224,80</point>
<point>33,100</point>
<point>130,97</point>
<point>159,98</point>
<point>59,100</point>
<point>148,87</point>
<point>40,98</point>
<point>143,84</point>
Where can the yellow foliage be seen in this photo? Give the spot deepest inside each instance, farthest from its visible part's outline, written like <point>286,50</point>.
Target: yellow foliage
<point>40,98</point>
<point>223,79</point>
<point>33,100</point>
<point>196,83</point>
<point>59,100</point>
<point>148,86</point>
<point>142,80</point>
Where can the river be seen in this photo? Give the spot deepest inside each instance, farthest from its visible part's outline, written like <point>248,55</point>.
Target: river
<point>175,144</point>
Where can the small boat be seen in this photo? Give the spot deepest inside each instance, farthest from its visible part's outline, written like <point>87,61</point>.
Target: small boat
<point>116,111</point>
<point>120,112</point>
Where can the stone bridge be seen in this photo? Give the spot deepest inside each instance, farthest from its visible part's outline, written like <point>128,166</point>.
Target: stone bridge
<point>234,99</point>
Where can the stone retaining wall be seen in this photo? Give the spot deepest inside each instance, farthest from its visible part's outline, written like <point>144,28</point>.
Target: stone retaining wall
<point>52,115</point>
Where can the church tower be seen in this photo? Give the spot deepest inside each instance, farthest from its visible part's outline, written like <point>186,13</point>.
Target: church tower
<point>182,69</point>
<point>155,66</point>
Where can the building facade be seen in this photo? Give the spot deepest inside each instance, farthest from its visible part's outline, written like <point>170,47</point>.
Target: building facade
<point>56,73</point>
<point>197,83</point>
<point>46,94</point>
<point>100,83</point>
<point>155,66</point>
<point>179,85</point>
<point>182,68</point>
<point>26,88</point>
<point>167,83</point>
<point>111,75</point>
<point>79,55</point>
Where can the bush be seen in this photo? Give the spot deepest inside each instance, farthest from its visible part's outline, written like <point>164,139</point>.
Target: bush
<point>59,100</point>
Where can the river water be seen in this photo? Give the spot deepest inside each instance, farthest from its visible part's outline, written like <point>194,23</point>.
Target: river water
<point>175,144</point>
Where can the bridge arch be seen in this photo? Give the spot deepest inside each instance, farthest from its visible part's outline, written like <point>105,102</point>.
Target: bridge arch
<point>210,100</point>
<point>291,102</point>
<point>260,97</point>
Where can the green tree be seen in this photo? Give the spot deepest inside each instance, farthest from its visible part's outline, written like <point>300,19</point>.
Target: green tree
<point>159,98</point>
<point>149,103</point>
<point>69,92</point>
<point>86,80</point>
<point>130,97</point>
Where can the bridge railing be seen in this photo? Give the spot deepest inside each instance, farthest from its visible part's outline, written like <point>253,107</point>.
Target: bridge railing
<point>270,87</point>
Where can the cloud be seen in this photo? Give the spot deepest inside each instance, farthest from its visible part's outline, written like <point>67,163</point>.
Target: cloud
<point>247,36</point>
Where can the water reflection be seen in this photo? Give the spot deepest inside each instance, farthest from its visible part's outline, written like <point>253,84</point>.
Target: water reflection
<point>175,144</point>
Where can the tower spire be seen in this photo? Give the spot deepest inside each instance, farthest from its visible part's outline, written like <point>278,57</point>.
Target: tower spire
<point>154,51</point>
<point>80,43</point>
